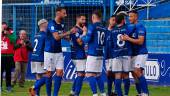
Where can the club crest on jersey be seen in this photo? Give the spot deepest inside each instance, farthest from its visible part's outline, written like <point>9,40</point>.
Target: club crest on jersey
<point>77,34</point>
<point>52,27</point>
<point>62,25</point>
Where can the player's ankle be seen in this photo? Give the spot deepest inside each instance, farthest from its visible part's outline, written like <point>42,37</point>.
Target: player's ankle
<point>95,94</point>
<point>103,94</point>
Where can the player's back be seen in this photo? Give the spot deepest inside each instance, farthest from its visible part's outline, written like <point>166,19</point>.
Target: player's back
<point>77,51</point>
<point>140,30</point>
<point>119,47</point>
<point>52,45</point>
<point>38,45</point>
<point>96,43</point>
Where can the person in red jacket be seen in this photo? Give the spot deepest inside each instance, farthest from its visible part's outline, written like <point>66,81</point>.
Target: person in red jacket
<point>7,52</point>
<point>22,49</point>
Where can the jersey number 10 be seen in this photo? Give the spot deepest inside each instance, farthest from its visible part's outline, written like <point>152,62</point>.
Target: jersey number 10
<point>101,36</point>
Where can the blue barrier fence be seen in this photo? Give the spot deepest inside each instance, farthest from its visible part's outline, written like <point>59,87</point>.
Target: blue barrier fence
<point>157,70</point>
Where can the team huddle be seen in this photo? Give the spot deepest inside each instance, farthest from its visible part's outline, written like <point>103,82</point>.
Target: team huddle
<point>120,45</point>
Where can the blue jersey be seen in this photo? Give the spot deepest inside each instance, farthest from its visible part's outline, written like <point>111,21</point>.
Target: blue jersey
<point>95,38</point>
<point>51,44</point>
<point>38,45</point>
<point>77,51</point>
<point>118,47</point>
<point>139,31</point>
<point>107,49</point>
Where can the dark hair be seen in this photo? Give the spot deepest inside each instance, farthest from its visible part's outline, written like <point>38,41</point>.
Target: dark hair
<point>79,15</point>
<point>4,23</point>
<point>112,16</point>
<point>119,18</point>
<point>98,13</point>
<point>59,9</point>
<point>133,11</point>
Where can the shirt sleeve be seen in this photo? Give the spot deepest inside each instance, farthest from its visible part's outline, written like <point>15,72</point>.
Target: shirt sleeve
<point>52,28</point>
<point>141,30</point>
<point>88,36</point>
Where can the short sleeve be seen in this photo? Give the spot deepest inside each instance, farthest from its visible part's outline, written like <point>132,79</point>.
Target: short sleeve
<point>51,27</point>
<point>141,30</point>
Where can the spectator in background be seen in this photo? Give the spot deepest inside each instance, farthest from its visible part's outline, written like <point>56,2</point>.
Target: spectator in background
<point>7,52</point>
<point>22,49</point>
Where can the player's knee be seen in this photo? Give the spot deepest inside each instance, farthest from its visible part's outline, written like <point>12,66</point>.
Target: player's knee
<point>90,74</point>
<point>138,72</point>
<point>48,74</point>
<point>109,73</point>
<point>59,72</point>
<point>81,74</point>
<point>125,75</point>
<point>38,76</point>
<point>118,75</point>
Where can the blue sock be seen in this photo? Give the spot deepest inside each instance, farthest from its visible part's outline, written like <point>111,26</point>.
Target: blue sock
<point>74,85</point>
<point>48,83</point>
<point>79,84</point>
<point>92,82</point>
<point>118,86</point>
<point>143,84</point>
<point>38,85</point>
<point>57,84</point>
<point>37,89</point>
<point>138,88</point>
<point>126,85</point>
<point>100,83</point>
<point>109,84</point>
<point>114,85</point>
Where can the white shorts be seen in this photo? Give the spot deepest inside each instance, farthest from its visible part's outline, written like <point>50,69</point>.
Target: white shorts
<point>121,64</point>
<point>37,67</point>
<point>53,61</point>
<point>94,64</point>
<point>139,61</point>
<point>80,65</point>
<point>108,65</point>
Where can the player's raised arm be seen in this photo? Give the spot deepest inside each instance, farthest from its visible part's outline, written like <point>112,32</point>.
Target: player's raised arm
<point>87,34</point>
<point>79,40</point>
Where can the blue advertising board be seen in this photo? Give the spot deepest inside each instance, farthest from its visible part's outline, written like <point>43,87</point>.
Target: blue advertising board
<point>157,70</point>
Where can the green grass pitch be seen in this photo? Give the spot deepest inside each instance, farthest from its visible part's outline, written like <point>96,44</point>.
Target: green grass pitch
<point>66,86</point>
